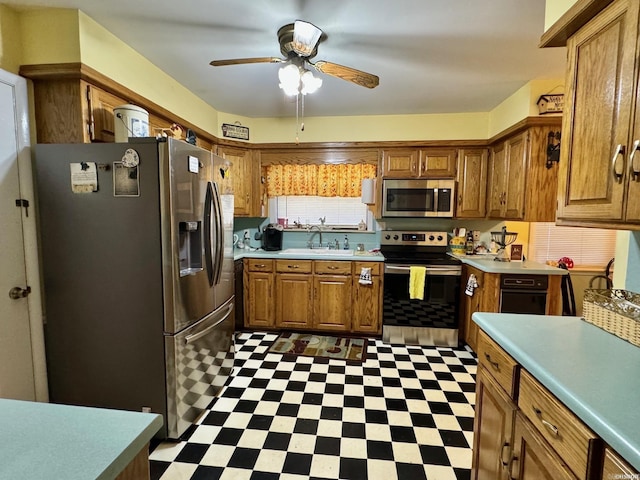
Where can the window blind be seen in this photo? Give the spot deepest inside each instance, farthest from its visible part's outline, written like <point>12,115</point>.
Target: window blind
<point>345,211</point>
<point>587,247</point>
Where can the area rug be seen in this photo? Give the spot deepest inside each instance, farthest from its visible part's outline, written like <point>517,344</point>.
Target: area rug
<point>343,348</point>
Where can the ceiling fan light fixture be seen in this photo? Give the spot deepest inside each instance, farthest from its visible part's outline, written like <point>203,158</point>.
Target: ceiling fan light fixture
<point>309,83</point>
<point>289,79</point>
<point>305,38</point>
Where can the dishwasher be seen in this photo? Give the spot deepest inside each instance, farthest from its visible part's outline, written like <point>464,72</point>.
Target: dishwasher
<point>523,294</point>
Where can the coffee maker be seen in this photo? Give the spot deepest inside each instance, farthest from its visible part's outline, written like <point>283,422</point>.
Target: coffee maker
<point>272,237</point>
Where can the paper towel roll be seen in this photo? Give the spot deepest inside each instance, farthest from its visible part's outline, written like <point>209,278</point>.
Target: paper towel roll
<point>369,191</point>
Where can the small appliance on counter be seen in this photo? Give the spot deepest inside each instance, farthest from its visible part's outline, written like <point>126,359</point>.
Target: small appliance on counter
<point>272,237</point>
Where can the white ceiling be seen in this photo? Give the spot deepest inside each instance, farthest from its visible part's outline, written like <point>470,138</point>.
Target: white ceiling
<point>432,56</point>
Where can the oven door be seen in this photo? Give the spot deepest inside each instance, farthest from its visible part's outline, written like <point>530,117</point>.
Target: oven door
<point>439,309</point>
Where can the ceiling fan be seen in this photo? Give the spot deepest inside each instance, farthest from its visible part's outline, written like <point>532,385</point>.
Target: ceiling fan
<point>299,43</point>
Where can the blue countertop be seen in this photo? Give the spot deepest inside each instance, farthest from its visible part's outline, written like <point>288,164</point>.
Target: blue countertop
<point>42,441</point>
<point>489,265</point>
<point>594,373</point>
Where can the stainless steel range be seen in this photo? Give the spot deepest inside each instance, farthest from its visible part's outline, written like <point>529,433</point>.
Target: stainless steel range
<point>432,320</point>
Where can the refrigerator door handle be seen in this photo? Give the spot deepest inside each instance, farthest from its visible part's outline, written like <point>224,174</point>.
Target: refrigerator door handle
<point>208,248</point>
<point>218,234</point>
<point>192,338</point>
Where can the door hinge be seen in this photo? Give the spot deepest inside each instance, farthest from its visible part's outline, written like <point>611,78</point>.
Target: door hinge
<point>21,202</point>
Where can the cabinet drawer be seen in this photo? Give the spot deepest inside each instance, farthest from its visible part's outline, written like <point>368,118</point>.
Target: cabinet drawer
<point>334,268</point>
<point>616,467</point>
<point>497,362</point>
<point>293,266</point>
<point>376,267</point>
<point>562,429</point>
<point>258,265</point>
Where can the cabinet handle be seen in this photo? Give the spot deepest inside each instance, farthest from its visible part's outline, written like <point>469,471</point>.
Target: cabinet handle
<point>332,267</point>
<point>495,365</point>
<point>260,265</point>
<point>513,460</point>
<point>505,464</point>
<point>550,426</point>
<point>617,177</point>
<point>293,266</point>
<point>634,175</point>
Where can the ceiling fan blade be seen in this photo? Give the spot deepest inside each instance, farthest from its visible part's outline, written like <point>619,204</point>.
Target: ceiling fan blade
<point>239,61</point>
<point>347,73</point>
<point>305,38</point>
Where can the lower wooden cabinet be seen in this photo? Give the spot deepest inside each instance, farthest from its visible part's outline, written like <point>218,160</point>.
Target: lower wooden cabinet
<point>532,458</point>
<point>367,299</point>
<point>312,295</point>
<point>493,429</point>
<point>258,283</point>
<point>522,432</point>
<point>615,467</point>
<point>293,294</point>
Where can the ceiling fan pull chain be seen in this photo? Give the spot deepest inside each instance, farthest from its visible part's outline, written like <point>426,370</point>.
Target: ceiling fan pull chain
<point>297,121</point>
<point>302,121</point>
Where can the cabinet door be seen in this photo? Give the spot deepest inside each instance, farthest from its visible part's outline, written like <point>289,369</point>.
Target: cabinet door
<point>532,458</point>
<point>332,302</point>
<point>516,165</point>
<point>492,430</point>
<point>497,181</point>
<point>615,467</point>
<point>400,163</point>
<point>101,117</point>
<point>294,300</point>
<point>367,301</point>
<point>242,178</point>
<point>258,299</point>
<point>472,183</point>
<point>438,162</point>
<point>471,304</point>
<point>600,80</point>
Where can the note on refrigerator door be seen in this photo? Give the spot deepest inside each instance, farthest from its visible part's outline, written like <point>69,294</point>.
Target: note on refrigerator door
<point>84,177</point>
<point>126,181</point>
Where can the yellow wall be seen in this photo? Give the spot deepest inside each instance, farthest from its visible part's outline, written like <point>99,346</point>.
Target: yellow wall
<point>522,104</point>
<point>10,40</point>
<point>554,9</point>
<point>50,36</point>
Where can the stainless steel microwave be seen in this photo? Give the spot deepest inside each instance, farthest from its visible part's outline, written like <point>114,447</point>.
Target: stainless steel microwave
<point>418,198</point>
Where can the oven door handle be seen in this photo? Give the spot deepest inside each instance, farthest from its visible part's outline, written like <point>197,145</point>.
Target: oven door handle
<point>404,270</point>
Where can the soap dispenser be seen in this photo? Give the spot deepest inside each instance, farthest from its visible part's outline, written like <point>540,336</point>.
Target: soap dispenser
<point>346,243</point>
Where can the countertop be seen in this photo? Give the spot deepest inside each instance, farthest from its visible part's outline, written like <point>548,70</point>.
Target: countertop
<point>594,373</point>
<point>329,255</point>
<point>486,263</point>
<point>45,440</point>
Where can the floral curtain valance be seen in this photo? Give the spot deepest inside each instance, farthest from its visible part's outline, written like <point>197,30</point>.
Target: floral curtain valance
<point>327,180</point>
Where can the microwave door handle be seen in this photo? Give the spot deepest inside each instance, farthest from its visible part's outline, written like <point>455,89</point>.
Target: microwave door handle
<point>218,234</point>
<point>208,250</point>
<point>435,200</point>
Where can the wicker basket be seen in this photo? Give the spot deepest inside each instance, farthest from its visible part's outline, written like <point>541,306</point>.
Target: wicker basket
<point>616,311</point>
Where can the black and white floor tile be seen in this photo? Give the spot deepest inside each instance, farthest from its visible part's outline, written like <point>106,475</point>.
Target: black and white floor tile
<point>405,413</point>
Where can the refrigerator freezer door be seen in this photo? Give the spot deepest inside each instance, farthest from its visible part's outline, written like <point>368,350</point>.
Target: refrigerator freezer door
<point>186,215</point>
<point>199,361</point>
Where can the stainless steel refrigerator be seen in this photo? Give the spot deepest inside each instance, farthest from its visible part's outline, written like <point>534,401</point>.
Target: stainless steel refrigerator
<point>137,258</point>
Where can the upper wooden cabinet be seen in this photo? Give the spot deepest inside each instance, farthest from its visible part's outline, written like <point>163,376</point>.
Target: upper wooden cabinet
<point>472,183</point>
<point>599,181</point>
<point>415,162</point>
<point>245,186</point>
<point>522,183</point>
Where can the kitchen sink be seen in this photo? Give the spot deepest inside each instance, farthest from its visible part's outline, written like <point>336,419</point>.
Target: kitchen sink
<point>315,251</point>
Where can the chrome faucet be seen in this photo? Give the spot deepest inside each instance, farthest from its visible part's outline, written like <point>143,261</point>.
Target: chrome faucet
<point>309,242</point>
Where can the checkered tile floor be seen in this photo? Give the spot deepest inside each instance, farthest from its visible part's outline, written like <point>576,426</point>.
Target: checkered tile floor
<point>406,413</point>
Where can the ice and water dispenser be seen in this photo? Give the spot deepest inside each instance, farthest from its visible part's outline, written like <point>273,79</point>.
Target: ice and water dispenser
<point>190,248</point>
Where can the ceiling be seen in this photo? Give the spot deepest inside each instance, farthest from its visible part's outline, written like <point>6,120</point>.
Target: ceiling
<point>432,56</point>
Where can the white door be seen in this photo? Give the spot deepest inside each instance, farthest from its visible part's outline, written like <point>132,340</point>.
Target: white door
<point>22,372</point>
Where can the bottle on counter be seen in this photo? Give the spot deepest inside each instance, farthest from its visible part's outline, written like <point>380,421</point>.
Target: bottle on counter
<point>469,244</point>
<point>346,243</point>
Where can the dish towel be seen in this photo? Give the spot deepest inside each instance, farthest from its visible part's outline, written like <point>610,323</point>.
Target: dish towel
<point>472,284</point>
<point>365,276</point>
<point>416,282</point>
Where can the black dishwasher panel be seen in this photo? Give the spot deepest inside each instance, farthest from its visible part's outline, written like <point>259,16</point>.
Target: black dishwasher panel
<point>523,294</point>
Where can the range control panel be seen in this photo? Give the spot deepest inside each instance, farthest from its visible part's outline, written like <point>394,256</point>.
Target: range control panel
<point>420,239</point>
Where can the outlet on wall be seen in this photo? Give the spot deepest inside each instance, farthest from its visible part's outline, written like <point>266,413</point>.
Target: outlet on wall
<point>247,235</point>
